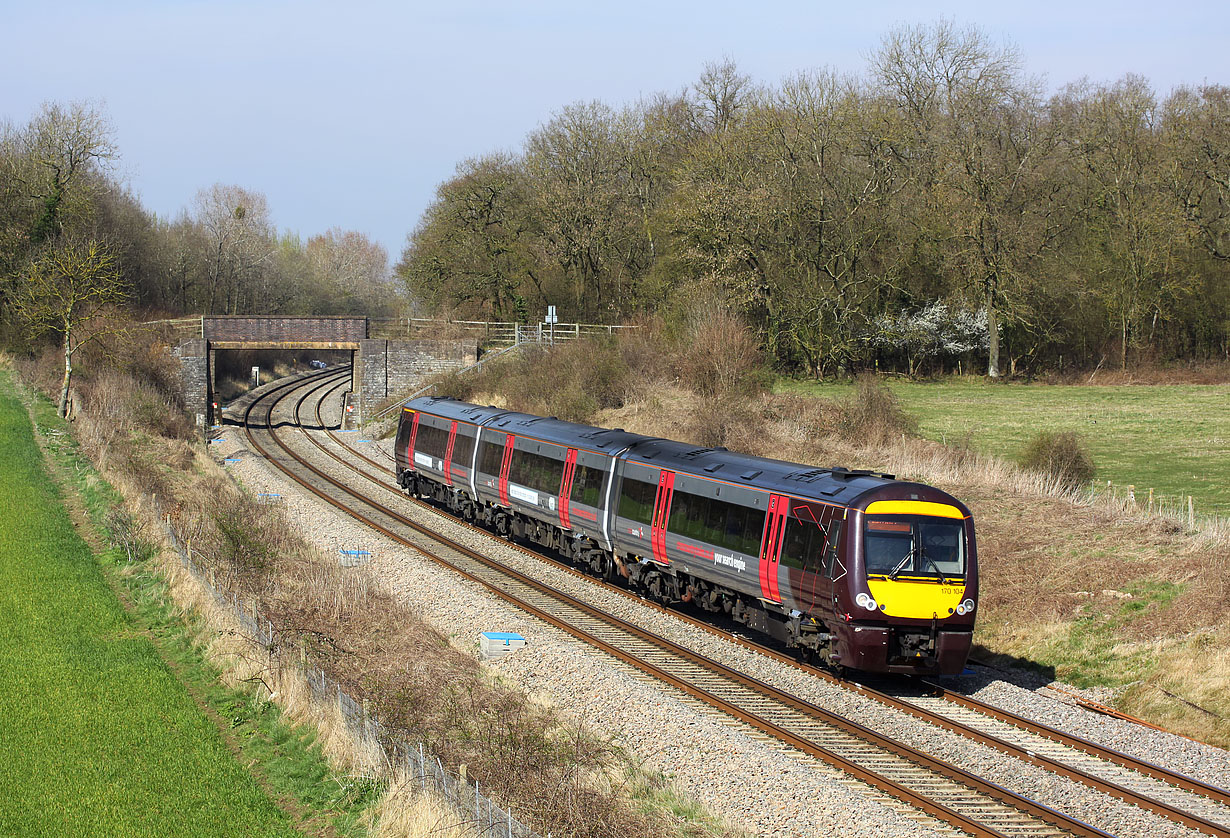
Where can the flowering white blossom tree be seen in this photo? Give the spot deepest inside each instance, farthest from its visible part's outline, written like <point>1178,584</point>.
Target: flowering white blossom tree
<point>935,331</point>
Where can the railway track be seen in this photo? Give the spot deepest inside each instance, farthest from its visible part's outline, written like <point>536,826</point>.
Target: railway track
<point>967,802</point>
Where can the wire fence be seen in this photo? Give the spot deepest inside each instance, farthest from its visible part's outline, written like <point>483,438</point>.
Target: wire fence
<point>482,816</point>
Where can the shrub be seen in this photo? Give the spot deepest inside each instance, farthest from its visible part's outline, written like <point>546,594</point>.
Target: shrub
<point>1062,456</point>
<point>874,416</point>
<point>721,357</point>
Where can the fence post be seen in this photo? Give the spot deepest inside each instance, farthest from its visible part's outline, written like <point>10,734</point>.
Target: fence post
<point>1191,513</point>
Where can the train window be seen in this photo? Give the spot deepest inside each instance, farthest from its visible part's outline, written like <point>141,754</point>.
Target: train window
<point>745,528</point>
<point>431,440</point>
<point>688,516</point>
<point>636,499</point>
<point>463,449</point>
<point>803,545</point>
<point>491,457</point>
<point>716,522</point>
<point>914,545</point>
<point>536,471</point>
<point>587,485</point>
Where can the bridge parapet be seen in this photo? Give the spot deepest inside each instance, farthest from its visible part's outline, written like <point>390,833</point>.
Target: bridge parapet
<point>253,332</point>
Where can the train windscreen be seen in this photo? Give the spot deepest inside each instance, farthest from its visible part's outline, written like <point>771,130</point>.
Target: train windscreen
<point>914,545</point>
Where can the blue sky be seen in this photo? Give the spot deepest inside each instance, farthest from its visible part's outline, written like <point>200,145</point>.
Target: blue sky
<point>351,115</point>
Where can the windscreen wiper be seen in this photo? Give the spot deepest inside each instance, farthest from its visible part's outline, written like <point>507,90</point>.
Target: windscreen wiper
<point>901,564</point>
<point>930,561</point>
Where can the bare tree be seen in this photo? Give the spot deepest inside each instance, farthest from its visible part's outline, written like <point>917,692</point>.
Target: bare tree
<point>54,157</point>
<point>239,233</point>
<point>1135,227</point>
<point>1197,123</point>
<point>69,290</point>
<point>976,148</point>
<point>722,94</point>
<point>353,269</point>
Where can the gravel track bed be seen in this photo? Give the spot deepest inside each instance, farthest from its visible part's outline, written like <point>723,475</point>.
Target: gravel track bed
<point>758,786</point>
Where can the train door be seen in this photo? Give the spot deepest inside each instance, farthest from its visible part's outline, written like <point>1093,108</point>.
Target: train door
<point>414,432</point>
<point>661,514</point>
<point>565,488</point>
<point>771,547</point>
<point>805,553</point>
<point>509,441</point>
<point>448,454</point>
<point>836,575</point>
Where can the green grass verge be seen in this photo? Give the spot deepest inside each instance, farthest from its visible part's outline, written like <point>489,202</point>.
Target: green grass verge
<point>99,736</point>
<point>1174,439</point>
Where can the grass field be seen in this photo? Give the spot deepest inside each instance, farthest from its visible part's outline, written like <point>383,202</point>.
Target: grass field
<point>1174,439</point>
<point>97,737</point>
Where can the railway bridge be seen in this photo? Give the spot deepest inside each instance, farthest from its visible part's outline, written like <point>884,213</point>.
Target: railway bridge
<point>381,367</point>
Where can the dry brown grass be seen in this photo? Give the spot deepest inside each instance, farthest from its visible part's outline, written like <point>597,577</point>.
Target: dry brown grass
<point>407,812</point>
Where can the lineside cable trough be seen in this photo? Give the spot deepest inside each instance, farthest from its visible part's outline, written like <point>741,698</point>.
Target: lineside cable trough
<point>354,558</point>
<point>493,645</point>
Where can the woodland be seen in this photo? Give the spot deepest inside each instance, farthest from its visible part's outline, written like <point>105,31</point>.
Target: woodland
<point>939,211</point>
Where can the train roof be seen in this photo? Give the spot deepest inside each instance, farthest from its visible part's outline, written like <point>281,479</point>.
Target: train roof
<point>836,484</point>
<point>450,408</point>
<point>833,485</point>
<point>547,429</point>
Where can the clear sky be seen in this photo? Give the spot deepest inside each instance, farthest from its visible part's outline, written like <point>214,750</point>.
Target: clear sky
<point>350,114</point>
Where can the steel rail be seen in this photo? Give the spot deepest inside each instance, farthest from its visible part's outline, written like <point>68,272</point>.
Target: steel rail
<point>1043,814</point>
<point>1143,800</point>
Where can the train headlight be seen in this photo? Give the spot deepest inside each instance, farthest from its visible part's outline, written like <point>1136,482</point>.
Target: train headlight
<point>966,607</point>
<point>866,601</point>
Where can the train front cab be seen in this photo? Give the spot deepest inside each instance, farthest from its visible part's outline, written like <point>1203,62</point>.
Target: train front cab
<point>912,591</point>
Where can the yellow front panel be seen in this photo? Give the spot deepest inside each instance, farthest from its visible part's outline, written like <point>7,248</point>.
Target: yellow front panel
<point>915,599</point>
<point>913,507</point>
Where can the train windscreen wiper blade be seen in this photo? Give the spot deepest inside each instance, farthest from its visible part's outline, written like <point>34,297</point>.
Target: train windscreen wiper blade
<point>901,564</point>
<point>930,561</point>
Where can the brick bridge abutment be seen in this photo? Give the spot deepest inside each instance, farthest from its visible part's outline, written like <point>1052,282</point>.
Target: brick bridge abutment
<point>380,368</point>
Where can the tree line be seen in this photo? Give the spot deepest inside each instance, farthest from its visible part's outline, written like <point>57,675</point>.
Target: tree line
<point>936,209</point>
<point>77,247</point>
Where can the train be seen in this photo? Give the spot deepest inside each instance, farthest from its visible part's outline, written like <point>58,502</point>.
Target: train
<point>853,568</point>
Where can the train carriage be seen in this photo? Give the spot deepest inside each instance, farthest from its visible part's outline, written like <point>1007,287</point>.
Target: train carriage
<point>852,567</point>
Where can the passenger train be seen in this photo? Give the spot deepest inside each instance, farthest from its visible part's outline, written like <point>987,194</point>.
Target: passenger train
<point>853,568</point>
